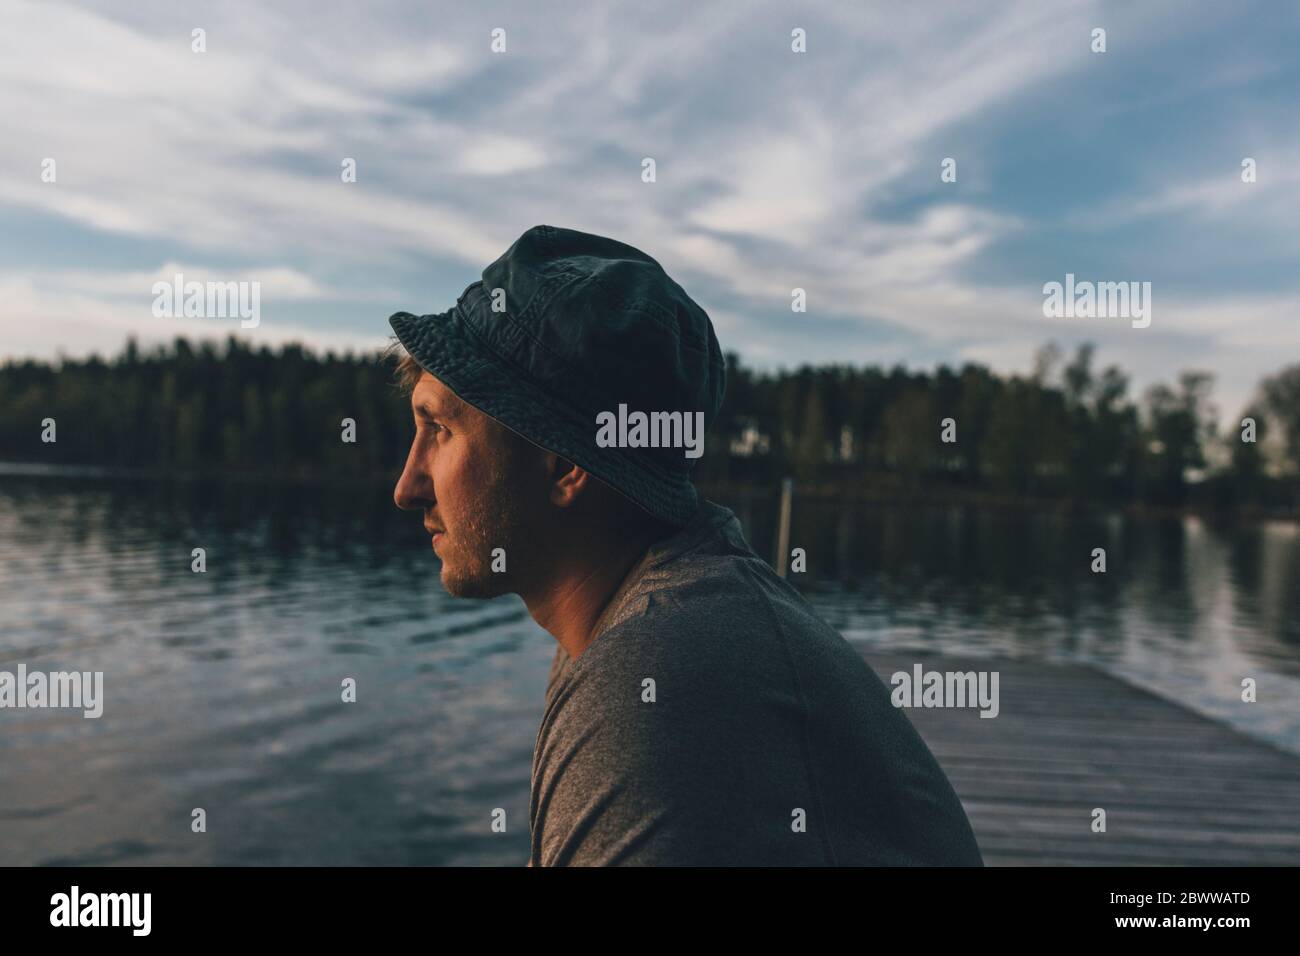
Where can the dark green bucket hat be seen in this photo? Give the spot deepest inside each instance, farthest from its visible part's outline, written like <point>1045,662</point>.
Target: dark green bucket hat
<point>567,330</point>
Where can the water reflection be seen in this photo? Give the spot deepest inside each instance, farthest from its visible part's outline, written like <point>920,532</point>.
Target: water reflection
<point>223,688</point>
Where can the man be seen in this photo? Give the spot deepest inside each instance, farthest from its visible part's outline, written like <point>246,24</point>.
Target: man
<point>698,712</point>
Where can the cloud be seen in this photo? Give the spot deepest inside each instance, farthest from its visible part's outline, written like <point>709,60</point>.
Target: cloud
<point>276,282</point>
<point>1272,200</point>
<point>44,324</point>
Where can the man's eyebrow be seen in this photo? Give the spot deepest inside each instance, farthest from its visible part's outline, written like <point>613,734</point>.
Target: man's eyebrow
<point>435,409</point>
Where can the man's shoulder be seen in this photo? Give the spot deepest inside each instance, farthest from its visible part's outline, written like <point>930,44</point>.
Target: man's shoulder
<point>698,621</point>
<point>676,632</point>
<point>722,648</point>
<point>716,615</point>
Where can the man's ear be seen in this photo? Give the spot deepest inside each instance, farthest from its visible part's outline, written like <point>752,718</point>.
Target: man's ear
<point>568,482</point>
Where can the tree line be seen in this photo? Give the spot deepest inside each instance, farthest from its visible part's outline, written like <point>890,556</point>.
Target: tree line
<point>1064,430</point>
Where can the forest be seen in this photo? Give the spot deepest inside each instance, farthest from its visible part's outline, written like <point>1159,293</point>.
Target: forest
<point>1065,430</point>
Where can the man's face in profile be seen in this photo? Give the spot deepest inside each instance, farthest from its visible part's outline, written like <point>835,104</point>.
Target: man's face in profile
<point>464,472</point>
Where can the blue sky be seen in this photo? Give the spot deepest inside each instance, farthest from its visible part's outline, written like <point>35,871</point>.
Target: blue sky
<point>775,170</point>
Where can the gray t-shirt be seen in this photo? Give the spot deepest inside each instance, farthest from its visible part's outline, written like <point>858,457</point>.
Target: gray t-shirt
<point>764,739</point>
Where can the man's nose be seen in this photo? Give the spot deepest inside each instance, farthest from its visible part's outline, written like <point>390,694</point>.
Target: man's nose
<point>414,490</point>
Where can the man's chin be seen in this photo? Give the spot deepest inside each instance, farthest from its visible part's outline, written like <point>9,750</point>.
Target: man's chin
<point>459,584</point>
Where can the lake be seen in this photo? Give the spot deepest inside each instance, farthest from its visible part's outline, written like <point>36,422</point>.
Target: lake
<point>222,689</point>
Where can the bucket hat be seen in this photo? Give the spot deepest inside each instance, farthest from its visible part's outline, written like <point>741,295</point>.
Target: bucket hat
<point>566,329</point>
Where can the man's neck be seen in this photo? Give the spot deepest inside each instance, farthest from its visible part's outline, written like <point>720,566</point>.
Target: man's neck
<point>569,603</point>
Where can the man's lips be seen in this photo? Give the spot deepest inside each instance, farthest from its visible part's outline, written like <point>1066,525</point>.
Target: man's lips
<point>435,534</point>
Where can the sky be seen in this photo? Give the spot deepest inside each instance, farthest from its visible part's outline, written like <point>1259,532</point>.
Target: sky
<point>774,170</point>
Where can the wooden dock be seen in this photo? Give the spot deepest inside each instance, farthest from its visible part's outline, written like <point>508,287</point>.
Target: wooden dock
<point>1178,788</point>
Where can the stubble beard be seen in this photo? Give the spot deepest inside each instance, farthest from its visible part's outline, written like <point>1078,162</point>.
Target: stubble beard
<point>494,519</point>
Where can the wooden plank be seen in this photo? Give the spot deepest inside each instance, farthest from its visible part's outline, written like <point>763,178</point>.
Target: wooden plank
<point>1178,788</point>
